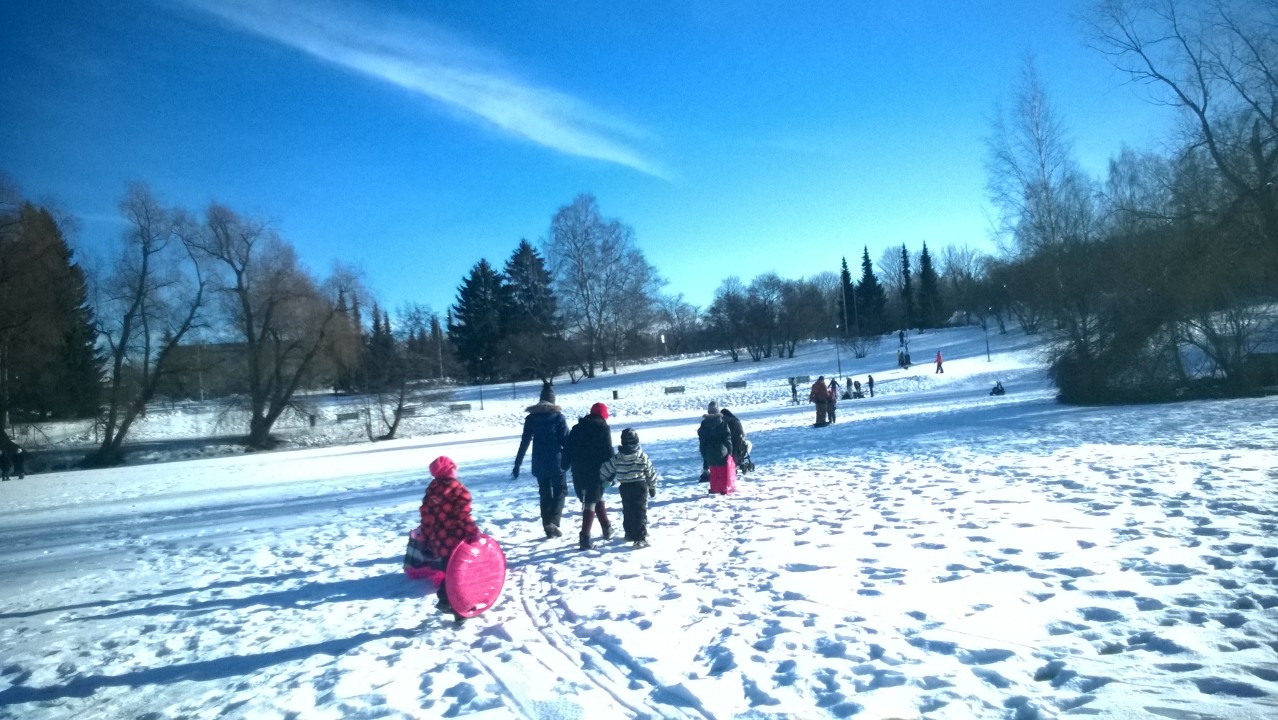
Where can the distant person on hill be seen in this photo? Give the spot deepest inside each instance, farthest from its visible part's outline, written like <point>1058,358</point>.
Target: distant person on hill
<point>939,367</point>
<point>446,520</point>
<point>6,464</point>
<point>740,445</point>
<point>589,446</point>
<point>856,390</point>
<point>20,462</point>
<point>834,388</point>
<point>998,388</point>
<point>869,383</point>
<point>832,400</point>
<point>900,336</point>
<point>547,430</point>
<point>715,440</point>
<point>820,396</point>
<point>631,470</point>
<point>794,391</point>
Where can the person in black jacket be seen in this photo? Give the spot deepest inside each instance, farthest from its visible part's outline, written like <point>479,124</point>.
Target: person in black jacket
<point>589,446</point>
<point>740,446</point>
<point>715,439</point>
<point>547,430</point>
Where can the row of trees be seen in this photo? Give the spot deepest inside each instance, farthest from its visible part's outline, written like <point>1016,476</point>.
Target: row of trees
<point>217,305</point>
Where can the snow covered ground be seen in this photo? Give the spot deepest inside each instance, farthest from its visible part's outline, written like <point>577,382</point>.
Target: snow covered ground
<point>936,553</point>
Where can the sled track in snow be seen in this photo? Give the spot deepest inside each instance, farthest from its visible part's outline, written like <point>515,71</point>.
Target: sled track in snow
<point>548,623</point>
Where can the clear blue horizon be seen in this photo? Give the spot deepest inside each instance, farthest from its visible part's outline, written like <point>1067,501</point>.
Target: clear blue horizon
<point>413,139</point>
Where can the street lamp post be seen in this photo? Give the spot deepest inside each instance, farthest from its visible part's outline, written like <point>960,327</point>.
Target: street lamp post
<point>481,383</point>
<point>838,356</point>
<point>985,323</point>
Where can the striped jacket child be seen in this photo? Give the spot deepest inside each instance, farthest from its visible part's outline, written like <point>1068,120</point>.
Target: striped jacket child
<point>631,469</point>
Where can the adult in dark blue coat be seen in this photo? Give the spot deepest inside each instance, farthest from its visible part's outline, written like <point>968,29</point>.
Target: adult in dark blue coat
<point>547,430</point>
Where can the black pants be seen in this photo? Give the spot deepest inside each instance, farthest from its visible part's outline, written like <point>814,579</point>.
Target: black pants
<point>634,510</point>
<point>553,491</point>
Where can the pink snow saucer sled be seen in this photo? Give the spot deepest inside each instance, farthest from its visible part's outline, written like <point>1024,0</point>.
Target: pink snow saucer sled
<point>723,478</point>
<point>476,573</point>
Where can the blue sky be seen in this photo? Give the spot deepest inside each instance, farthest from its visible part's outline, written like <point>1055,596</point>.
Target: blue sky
<point>412,138</point>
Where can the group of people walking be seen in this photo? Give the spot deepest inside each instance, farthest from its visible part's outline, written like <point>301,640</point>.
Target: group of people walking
<point>587,451</point>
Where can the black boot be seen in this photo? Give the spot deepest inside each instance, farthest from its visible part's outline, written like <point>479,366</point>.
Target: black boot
<point>585,543</point>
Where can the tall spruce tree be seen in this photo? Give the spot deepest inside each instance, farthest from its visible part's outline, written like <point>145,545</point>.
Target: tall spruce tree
<point>871,298</point>
<point>49,362</point>
<point>930,310</point>
<point>475,324</point>
<point>534,341</point>
<point>909,314</point>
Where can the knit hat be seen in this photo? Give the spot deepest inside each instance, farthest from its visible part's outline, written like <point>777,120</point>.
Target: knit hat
<point>443,466</point>
<point>599,409</point>
<point>629,438</point>
<point>547,393</point>
<point>712,408</point>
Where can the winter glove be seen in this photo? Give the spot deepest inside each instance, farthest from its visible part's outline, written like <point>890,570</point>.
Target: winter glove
<point>652,492</point>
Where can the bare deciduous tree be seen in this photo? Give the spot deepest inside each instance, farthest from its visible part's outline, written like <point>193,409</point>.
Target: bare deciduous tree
<point>679,320</point>
<point>600,277</point>
<point>152,299</point>
<point>1044,199</point>
<point>276,307</point>
<point>1218,63</point>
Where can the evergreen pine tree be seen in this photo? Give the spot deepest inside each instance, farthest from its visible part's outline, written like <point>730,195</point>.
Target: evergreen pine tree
<point>929,292</point>
<point>534,341</point>
<point>531,306</point>
<point>475,323</point>
<point>48,332</point>
<point>871,298</point>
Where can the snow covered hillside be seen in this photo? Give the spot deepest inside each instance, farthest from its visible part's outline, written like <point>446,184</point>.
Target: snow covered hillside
<point>938,552</point>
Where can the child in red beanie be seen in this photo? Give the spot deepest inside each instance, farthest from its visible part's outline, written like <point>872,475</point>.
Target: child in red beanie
<point>589,446</point>
<point>446,519</point>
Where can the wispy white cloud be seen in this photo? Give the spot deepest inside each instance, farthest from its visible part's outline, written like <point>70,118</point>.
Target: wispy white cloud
<point>422,58</point>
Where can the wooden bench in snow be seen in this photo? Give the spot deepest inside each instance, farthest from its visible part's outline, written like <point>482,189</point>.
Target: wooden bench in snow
<point>674,389</point>
<point>343,417</point>
<point>459,407</point>
<point>735,384</point>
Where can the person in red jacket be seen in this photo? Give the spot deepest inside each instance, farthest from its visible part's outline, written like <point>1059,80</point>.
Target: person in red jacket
<point>939,368</point>
<point>446,520</point>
